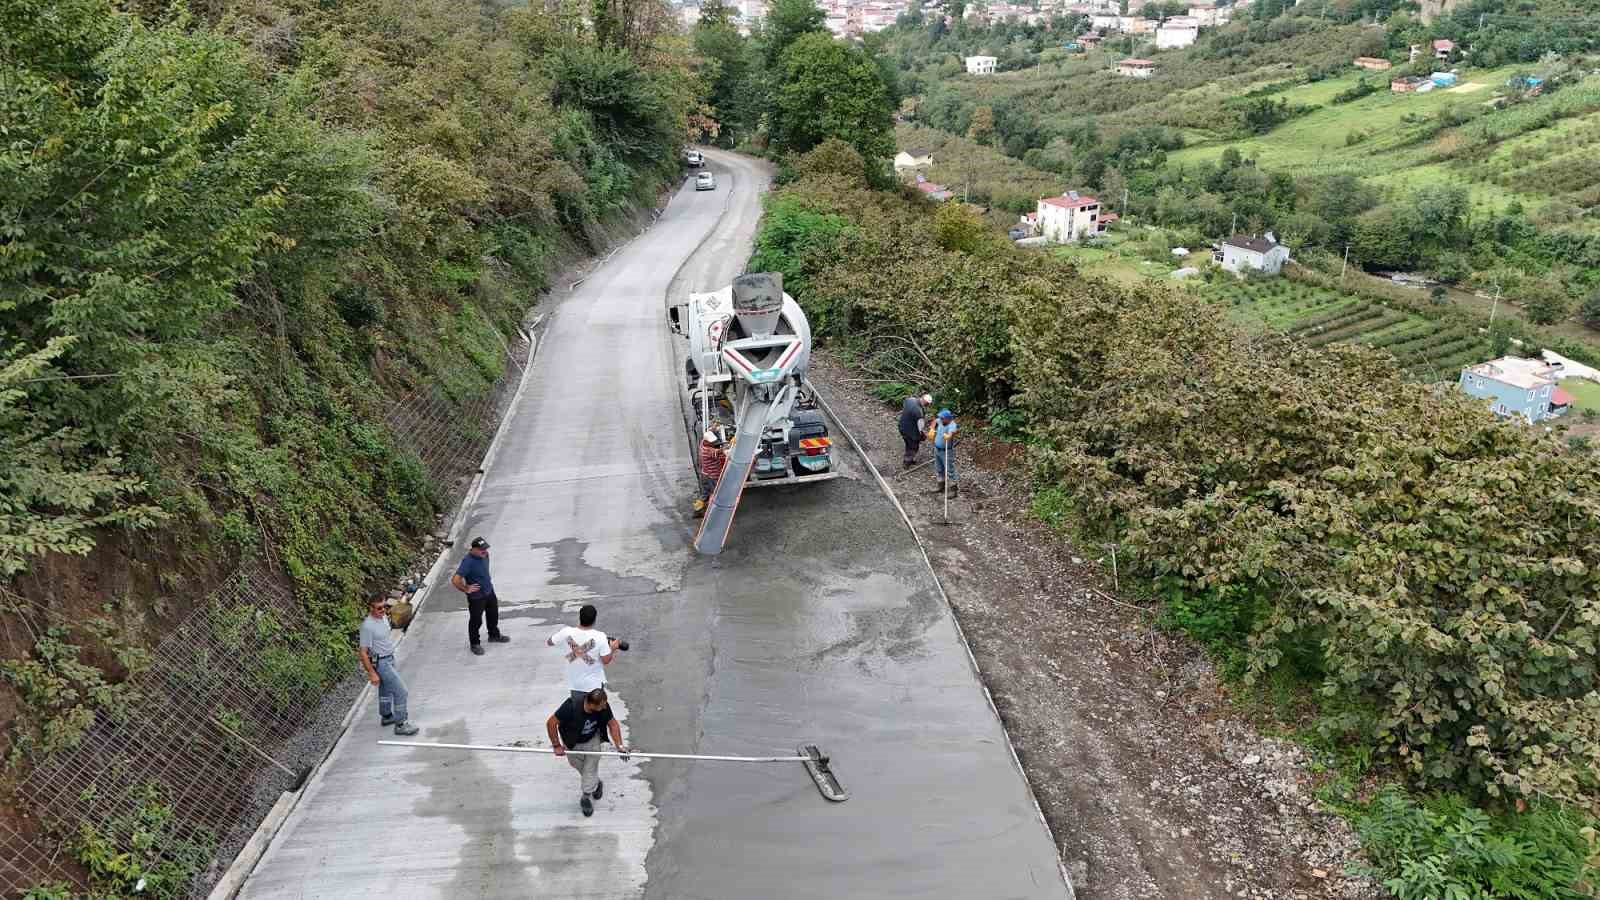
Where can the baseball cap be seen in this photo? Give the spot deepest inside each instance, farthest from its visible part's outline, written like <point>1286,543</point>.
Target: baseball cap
<point>479,543</point>
<point>711,436</point>
<point>945,414</point>
<point>927,399</point>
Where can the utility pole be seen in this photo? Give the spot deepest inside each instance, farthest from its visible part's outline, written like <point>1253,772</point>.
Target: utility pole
<point>1495,305</point>
<point>1344,265</point>
<point>1124,201</point>
<point>1233,227</point>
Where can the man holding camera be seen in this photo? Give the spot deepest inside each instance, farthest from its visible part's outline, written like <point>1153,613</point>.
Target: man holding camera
<point>588,652</point>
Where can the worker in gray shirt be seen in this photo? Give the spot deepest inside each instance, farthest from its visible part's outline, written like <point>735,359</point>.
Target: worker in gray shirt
<point>913,419</point>
<point>377,657</point>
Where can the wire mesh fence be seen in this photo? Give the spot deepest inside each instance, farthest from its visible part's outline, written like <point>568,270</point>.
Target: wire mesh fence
<point>28,862</point>
<point>162,778</point>
<point>176,770</point>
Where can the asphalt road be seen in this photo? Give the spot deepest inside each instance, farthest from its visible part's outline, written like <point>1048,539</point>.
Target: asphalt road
<point>818,624</point>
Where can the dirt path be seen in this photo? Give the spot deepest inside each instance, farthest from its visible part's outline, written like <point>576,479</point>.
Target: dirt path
<point>1152,786</point>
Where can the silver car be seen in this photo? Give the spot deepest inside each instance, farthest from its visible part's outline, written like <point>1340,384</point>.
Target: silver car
<point>705,181</point>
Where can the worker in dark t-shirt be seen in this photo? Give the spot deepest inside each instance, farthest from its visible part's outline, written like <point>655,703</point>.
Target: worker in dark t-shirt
<point>585,727</point>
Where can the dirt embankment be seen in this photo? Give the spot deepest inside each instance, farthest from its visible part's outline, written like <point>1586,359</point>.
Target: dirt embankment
<point>1152,784</point>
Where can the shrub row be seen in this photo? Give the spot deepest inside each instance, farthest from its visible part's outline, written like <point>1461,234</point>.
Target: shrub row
<point>1436,569</point>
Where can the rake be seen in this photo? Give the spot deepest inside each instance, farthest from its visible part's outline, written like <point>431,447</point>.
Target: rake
<point>817,764</point>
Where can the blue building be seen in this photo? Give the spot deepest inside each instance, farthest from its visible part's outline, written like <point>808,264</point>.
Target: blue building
<point>1517,387</point>
<point>1444,79</point>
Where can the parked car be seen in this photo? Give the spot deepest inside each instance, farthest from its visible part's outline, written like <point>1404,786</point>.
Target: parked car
<point>1017,234</point>
<point>693,158</point>
<point>705,181</point>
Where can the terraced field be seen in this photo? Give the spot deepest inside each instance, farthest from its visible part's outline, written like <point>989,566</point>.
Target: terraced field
<point>1427,349</point>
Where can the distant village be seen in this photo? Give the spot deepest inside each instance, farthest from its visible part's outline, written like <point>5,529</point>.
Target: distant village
<point>853,18</point>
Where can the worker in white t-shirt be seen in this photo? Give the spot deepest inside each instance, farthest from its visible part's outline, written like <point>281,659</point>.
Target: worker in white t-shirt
<point>588,652</point>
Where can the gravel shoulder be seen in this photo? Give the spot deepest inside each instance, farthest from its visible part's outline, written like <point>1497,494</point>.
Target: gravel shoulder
<point>1153,785</point>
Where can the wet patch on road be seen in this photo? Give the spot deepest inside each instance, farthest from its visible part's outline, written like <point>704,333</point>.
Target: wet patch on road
<point>571,568</point>
<point>464,791</point>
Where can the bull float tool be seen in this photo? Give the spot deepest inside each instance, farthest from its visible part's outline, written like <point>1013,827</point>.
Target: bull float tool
<point>817,764</point>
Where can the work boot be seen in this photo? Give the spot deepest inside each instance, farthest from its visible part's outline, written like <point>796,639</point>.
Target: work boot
<point>385,722</point>
<point>477,649</point>
<point>599,787</point>
<point>938,487</point>
<point>499,639</point>
<point>954,489</point>
<point>587,804</point>
<point>406,729</point>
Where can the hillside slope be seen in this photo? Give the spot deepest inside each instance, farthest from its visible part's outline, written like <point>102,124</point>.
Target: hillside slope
<point>262,270</point>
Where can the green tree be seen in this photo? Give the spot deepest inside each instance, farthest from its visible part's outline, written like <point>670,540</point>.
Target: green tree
<point>957,227</point>
<point>1546,301</point>
<point>787,21</point>
<point>1589,313</point>
<point>715,14</point>
<point>1382,237</point>
<point>731,90</point>
<point>830,89</point>
<point>982,128</point>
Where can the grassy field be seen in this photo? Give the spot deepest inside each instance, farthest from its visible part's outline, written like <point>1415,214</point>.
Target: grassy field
<point>1427,349</point>
<point>1585,393</point>
<point>1393,140</point>
<point>1113,259</point>
<point>1382,136</point>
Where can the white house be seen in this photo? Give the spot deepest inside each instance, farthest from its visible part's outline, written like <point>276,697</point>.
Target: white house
<point>1243,252</point>
<point>1105,21</point>
<point>1176,32</point>
<point>1069,217</point>
<point>981,65</point>
<point>912,158</point>
<point>1205,13</point>
<point>1136,68</point>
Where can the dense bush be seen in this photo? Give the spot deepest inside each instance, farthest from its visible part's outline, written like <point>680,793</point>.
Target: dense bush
<point>1441,566</point>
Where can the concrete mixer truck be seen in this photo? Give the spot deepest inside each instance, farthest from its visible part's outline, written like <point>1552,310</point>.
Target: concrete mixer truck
<point>749,348</point>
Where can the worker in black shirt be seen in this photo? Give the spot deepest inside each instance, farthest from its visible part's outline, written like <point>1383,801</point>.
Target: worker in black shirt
<point>585,726</point>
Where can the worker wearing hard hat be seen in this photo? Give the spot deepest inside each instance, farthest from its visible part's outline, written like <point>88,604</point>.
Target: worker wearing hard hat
<point>713,457</point>
<point>913,421</point>
<point>944,459</point>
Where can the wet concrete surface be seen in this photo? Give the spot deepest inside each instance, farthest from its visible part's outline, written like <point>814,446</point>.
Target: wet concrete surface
<point>818,624</point>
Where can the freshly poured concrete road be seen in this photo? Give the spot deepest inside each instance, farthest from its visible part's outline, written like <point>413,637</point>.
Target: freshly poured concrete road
<point>818,624</point>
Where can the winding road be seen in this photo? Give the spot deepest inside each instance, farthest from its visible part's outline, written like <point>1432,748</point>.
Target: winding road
<point>820,623</point>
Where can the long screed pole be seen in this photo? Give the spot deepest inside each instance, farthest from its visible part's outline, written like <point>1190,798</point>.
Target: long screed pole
<point>548,751</point>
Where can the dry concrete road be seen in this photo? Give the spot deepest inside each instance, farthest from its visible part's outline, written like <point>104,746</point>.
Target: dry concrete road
<point>818,624</point>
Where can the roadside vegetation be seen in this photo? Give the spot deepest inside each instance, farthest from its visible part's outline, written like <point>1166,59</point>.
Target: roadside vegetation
<point>1389,568</point>
<point>232,236</point>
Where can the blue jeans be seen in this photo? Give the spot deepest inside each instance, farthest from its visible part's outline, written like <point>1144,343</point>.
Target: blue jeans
<point>391,691</point>
<point>944,464</point>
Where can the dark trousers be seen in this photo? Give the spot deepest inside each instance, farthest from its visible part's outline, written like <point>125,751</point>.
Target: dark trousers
<point>479,608</point>
<point>913,442</point>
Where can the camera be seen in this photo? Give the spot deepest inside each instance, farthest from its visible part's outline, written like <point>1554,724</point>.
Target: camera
<point>621,644</point>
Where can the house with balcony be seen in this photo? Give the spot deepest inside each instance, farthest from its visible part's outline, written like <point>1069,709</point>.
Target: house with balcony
<point>981,65</point>
<point>1068,218</point>
<point>1517,387</point>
